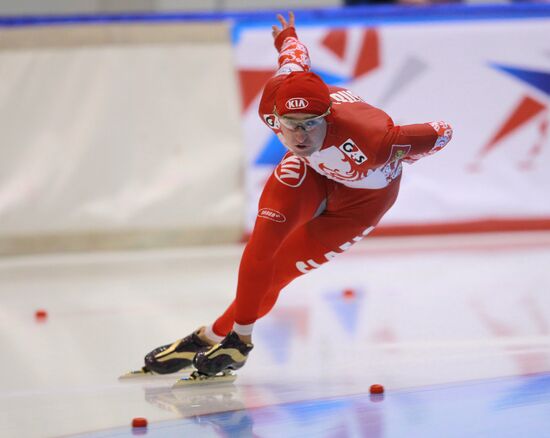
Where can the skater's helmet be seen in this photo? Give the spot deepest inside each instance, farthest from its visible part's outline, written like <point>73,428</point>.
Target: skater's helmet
<point>302,92</point>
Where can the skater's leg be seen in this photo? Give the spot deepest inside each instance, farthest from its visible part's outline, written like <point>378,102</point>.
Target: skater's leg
<point>320,240</point>
<point>306,248</point>
<point>292,196</point>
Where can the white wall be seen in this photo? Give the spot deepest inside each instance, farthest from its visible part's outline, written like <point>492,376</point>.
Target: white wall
<point>127,137</point>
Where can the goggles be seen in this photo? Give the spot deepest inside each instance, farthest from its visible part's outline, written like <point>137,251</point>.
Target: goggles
<point>306,124</point>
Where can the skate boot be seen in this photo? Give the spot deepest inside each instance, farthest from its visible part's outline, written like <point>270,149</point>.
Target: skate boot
<point>171,358</point>
<point>229,355</point>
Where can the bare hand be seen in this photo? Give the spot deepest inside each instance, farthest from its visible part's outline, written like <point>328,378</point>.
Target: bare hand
<point>285,25</point>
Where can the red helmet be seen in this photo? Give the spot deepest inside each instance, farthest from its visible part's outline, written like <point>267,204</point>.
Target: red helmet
<point>302,92</point>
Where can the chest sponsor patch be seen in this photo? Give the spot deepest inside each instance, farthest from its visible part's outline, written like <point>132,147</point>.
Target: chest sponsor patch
<point>352,151</point>
<point>272,215</point>
<point>291,171</point>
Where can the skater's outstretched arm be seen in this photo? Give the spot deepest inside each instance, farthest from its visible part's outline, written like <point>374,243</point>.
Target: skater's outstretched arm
<point>409,143</point>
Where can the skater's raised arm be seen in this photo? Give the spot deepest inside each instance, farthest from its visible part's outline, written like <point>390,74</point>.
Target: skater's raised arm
<point>293,56</point>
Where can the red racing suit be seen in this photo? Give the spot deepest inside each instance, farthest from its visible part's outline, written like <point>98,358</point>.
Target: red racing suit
<point>313,208</point>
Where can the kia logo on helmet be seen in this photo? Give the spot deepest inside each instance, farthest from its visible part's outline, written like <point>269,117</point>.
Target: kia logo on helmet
<point>296,103</point>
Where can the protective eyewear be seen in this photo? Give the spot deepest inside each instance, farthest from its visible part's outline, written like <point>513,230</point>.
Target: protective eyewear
<point>306,124</point>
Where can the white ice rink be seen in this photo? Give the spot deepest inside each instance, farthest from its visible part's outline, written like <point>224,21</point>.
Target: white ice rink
<point>419,311</point>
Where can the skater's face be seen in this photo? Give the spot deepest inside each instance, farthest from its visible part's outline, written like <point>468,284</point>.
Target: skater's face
<point>303,133</point>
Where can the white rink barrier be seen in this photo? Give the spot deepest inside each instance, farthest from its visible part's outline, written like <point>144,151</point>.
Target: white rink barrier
<point>135,134</point>
<point>118,136</point>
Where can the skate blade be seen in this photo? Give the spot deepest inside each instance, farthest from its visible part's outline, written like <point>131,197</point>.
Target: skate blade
<point>195,378</point>
<point>145,373</point>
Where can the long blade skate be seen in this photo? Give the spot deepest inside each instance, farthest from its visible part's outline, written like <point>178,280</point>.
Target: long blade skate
<point>145,372</point>
<point>196,378</point>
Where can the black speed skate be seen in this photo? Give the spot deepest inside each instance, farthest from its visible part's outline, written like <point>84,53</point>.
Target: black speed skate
<point>229,355</point>
<point>174,357</point>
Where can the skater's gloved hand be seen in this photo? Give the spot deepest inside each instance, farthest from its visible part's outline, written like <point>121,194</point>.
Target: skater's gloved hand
<point>287,30</point>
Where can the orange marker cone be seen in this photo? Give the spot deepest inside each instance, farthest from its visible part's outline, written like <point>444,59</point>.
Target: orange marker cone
<point>41,315</point>
<point>139,422</point>
<point>376,389</point>
<point>348,294</point>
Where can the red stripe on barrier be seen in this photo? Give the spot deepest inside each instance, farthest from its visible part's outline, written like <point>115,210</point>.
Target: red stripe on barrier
<point>440,228</point>
<point>481,226</point>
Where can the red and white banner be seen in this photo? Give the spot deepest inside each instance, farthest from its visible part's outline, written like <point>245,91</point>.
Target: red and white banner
<point>489,79</point>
